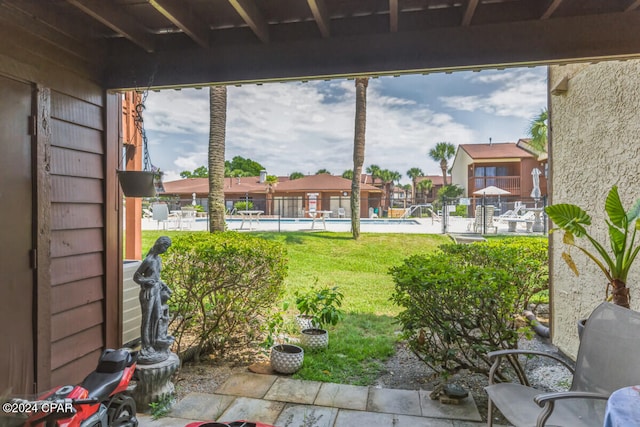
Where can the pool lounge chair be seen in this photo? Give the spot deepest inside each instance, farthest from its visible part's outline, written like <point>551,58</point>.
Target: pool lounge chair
<point>489,226</point>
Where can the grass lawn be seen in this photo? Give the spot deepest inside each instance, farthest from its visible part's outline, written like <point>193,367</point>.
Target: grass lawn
<point>367,335</point>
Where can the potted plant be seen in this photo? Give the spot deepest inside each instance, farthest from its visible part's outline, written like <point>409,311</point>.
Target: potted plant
<point>614,263</point>
<point>284,358</point>
<point>320,307</point>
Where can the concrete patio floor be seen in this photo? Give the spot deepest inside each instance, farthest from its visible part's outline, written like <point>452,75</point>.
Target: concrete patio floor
<point>286,402</point>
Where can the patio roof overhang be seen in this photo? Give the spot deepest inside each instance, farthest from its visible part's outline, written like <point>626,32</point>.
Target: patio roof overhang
<point>178,43</point>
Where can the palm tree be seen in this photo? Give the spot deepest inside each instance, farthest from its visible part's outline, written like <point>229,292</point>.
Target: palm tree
<point>388,179</point>
<point>374,170</point>
<point>217,134</point>
<point>358,152</point>
<point>442,152</point>
<point>270,183</point>
<point>424,186</point>
<point>538,131</point>
<point>414,173</point>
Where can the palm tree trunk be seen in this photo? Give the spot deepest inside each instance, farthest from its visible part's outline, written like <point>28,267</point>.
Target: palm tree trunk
<point>217,132</point>
<point>443,166</point>
<point>358,153</point>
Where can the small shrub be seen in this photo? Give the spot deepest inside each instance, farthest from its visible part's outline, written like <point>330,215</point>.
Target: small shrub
<point>243,206</point>
<point>224,285</point>
<point>463,302</point>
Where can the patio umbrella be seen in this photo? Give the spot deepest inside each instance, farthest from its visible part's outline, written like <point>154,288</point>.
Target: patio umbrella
<point>535,193</point>
<point>491,190</point>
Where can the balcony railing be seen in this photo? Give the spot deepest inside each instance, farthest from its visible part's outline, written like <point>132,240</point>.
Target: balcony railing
<point>509,183</point>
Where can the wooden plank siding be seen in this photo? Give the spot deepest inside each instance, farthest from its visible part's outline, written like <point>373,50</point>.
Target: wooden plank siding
<point>79,289</point>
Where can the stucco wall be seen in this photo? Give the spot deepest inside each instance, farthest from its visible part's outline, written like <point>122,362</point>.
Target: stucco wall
<point>595,141</point>
<point>459,170</point>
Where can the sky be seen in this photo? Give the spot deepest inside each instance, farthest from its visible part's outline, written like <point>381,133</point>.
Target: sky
<point>305,127</point>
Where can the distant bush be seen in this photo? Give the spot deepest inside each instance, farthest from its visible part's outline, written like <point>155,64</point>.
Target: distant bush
<point>243,206</point>
<point>463,301</point>
<point>224,285</point>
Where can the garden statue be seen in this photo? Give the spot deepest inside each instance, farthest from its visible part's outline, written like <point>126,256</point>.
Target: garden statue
<point>154,294</point>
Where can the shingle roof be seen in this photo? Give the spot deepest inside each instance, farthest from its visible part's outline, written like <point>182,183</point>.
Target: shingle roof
<point>435,179</point>
<point>494,151</point>
<point>321,182</point>
<point>252,184</point>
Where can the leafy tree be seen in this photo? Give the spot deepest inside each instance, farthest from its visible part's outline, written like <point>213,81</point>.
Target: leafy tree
<point>538,131</point>
<point>450,191</point>
<point>358,152</point>
<point>217,135</point>
<point>296,175</point>
<point>443,152</point>
<point>414,173</point>
<point>200,172</point>
<point>321,171</point>
<point>246,165</point>
<point>237,173</point>
<point>348,174</point>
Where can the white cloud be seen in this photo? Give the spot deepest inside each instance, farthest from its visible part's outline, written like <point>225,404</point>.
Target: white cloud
<point>304,127</point>
<point>517,93</point>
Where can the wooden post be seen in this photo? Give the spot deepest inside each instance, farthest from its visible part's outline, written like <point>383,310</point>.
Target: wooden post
<point>132,139</point>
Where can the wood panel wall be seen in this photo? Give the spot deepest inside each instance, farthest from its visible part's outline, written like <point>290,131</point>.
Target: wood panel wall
<point>77,218</point>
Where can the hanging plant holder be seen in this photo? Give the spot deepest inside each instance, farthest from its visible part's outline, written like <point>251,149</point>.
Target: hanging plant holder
<point>138,183</point>
<point>147,182</point>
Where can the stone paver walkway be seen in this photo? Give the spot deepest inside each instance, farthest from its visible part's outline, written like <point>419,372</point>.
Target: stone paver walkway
<point>285,402</point>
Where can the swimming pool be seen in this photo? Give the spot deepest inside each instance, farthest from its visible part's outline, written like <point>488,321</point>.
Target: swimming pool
<point>377,221</point>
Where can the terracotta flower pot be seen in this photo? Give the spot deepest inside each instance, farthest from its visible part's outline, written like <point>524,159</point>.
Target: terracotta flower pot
<point>286,358</point>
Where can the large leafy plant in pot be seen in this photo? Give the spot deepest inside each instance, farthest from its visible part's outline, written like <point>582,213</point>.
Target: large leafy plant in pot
<point>614,263</point>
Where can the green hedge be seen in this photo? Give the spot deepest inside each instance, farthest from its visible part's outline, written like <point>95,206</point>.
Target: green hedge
<point>224,285</point>
<point>463,301</point>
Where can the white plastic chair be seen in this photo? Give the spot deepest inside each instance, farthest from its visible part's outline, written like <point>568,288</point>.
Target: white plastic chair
<point>341,213</point>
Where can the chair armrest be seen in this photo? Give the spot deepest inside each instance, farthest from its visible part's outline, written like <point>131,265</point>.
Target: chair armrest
<point>542,399</point>
<point>497,355</point>
<point>547,402</point>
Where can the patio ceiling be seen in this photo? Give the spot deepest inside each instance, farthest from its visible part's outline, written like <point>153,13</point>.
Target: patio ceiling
<point>169,43</point>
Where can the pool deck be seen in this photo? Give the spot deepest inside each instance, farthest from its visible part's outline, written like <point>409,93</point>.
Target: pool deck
<point>456,225</point>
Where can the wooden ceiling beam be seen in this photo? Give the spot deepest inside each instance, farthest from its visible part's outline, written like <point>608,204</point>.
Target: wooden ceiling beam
<point>633,6</point>
<point>321,15</point>
<point>552,8</point>
<point>117,20</point>
<point>13,16</point>
<point>558,40</point>
<point>393,16</point>
<point>469,12</point>
<point>252,17</point>
<point>178,12</point>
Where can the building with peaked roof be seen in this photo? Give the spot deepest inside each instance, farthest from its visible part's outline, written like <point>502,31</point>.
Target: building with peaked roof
<point>504,165</point>
<point>288,198</point>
